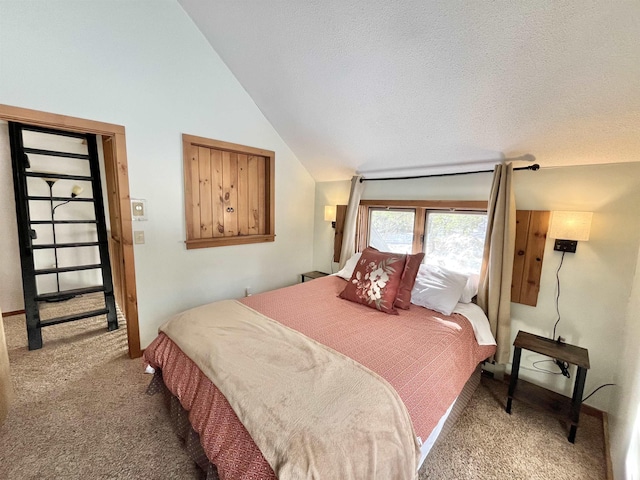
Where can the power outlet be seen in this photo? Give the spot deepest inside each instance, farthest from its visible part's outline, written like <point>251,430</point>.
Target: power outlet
<point>564,368</point>
<point>568,246</point>
<point>138,237</point>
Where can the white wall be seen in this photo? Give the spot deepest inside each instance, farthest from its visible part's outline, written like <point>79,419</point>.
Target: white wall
<point>595,281</point>
<point>625,410</point>
<point>144,65</point>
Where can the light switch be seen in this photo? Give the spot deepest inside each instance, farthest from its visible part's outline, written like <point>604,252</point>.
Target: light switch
<point>138,237</point>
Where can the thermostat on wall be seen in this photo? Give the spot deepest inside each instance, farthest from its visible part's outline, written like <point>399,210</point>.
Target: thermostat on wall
<point>138,209</point>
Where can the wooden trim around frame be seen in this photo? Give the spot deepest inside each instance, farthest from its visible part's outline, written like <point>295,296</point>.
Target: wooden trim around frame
<point>222,242</point>
<point>220,145</point>
<point>117,133</point>
<point>11,314</point>
<point>420,207</point>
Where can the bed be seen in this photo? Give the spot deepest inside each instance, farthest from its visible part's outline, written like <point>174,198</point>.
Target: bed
<point>427,358</point>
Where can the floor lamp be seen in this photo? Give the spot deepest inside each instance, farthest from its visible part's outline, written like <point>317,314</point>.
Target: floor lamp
<point>75,191</point>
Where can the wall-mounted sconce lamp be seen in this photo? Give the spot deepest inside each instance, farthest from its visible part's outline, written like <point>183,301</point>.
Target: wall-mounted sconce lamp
<point>330,215</point>
<point>569,228</point>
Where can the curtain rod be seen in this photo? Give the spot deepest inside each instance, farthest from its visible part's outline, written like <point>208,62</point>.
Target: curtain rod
<point>533,167</point>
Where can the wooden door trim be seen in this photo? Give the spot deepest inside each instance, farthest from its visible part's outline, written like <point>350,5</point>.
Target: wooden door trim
<point>117,133</point>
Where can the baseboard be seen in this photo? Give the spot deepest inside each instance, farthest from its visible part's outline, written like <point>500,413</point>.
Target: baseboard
<point>592,411</point>
<point>10,314</point>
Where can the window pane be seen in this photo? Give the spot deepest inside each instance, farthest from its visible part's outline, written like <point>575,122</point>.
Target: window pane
<point>391,230</point>
<point>455,240</point>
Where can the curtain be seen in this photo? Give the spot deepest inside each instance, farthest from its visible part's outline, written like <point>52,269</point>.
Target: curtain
<point>349,233</point>
<point>494,294</point>
<point>6,389</point>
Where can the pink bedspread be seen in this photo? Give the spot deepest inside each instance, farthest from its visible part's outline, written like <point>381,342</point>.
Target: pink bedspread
<point>426,356</point>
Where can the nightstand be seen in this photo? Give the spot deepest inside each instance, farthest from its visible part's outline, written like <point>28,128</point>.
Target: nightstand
<point>556,404</point>
<point>313,275</point>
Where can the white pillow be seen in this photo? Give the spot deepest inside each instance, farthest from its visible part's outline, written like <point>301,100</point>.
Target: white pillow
<point>470,289</point>
<point>438,288</point>
<point>349,267</point>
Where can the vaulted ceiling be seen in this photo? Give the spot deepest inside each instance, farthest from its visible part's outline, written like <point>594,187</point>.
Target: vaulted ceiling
<point>376,86</point>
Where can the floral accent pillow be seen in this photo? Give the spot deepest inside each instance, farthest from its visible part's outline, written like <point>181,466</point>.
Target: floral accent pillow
<point>375,280</point>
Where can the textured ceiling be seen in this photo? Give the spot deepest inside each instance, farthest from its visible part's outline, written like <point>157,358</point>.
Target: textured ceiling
<point>378,85</point>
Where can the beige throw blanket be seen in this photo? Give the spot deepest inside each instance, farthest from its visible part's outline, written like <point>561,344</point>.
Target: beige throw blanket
<point>313,412</point>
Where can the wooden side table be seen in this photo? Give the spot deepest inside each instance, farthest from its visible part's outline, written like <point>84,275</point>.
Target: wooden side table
<point>313,275</point>
<point>555,403</point>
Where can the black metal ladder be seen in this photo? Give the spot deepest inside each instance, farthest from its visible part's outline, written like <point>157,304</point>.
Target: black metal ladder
<point>27,231</point>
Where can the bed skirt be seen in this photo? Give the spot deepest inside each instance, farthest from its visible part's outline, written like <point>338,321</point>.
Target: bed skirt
<point>179,418</point>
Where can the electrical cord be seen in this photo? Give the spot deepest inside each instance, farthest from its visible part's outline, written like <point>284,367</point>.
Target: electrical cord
<point>601,386</point>
<point>59,205</point>
<point>553,337</point>
<point>537,369</point>
<point>544,370</point>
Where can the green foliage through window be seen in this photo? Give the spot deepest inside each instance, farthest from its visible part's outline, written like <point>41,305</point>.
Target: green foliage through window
<point>451,239</point>
<point>392,230</point>
<point>455,240</point>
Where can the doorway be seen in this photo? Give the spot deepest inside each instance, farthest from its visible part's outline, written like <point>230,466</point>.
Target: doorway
<point>117,182</point>
<point>66,255</point>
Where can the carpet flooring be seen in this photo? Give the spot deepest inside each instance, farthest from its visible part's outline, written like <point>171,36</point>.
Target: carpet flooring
<point>81,412</point>
<point>487,443</point>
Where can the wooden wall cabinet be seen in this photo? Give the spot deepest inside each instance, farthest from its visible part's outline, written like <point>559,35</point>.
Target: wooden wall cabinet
<point>229,193</point>
<point>341,213</point>
<point>531,236</point>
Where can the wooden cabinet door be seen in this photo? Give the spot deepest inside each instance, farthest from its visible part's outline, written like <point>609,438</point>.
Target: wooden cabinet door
<point>531,236</point>
<point>229,193</point>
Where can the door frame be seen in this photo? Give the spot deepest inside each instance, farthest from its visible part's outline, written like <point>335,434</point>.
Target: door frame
<point>118,162</point>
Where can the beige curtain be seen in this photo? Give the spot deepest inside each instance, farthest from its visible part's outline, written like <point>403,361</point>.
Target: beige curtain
<point>349,233</point>
<point>494,295</point>
<point>6,389</point>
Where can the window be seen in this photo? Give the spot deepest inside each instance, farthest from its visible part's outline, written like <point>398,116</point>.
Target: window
<point>450,233</point>
<point>391,230</point>
<point>229,193</point>
<point>455,240</point>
